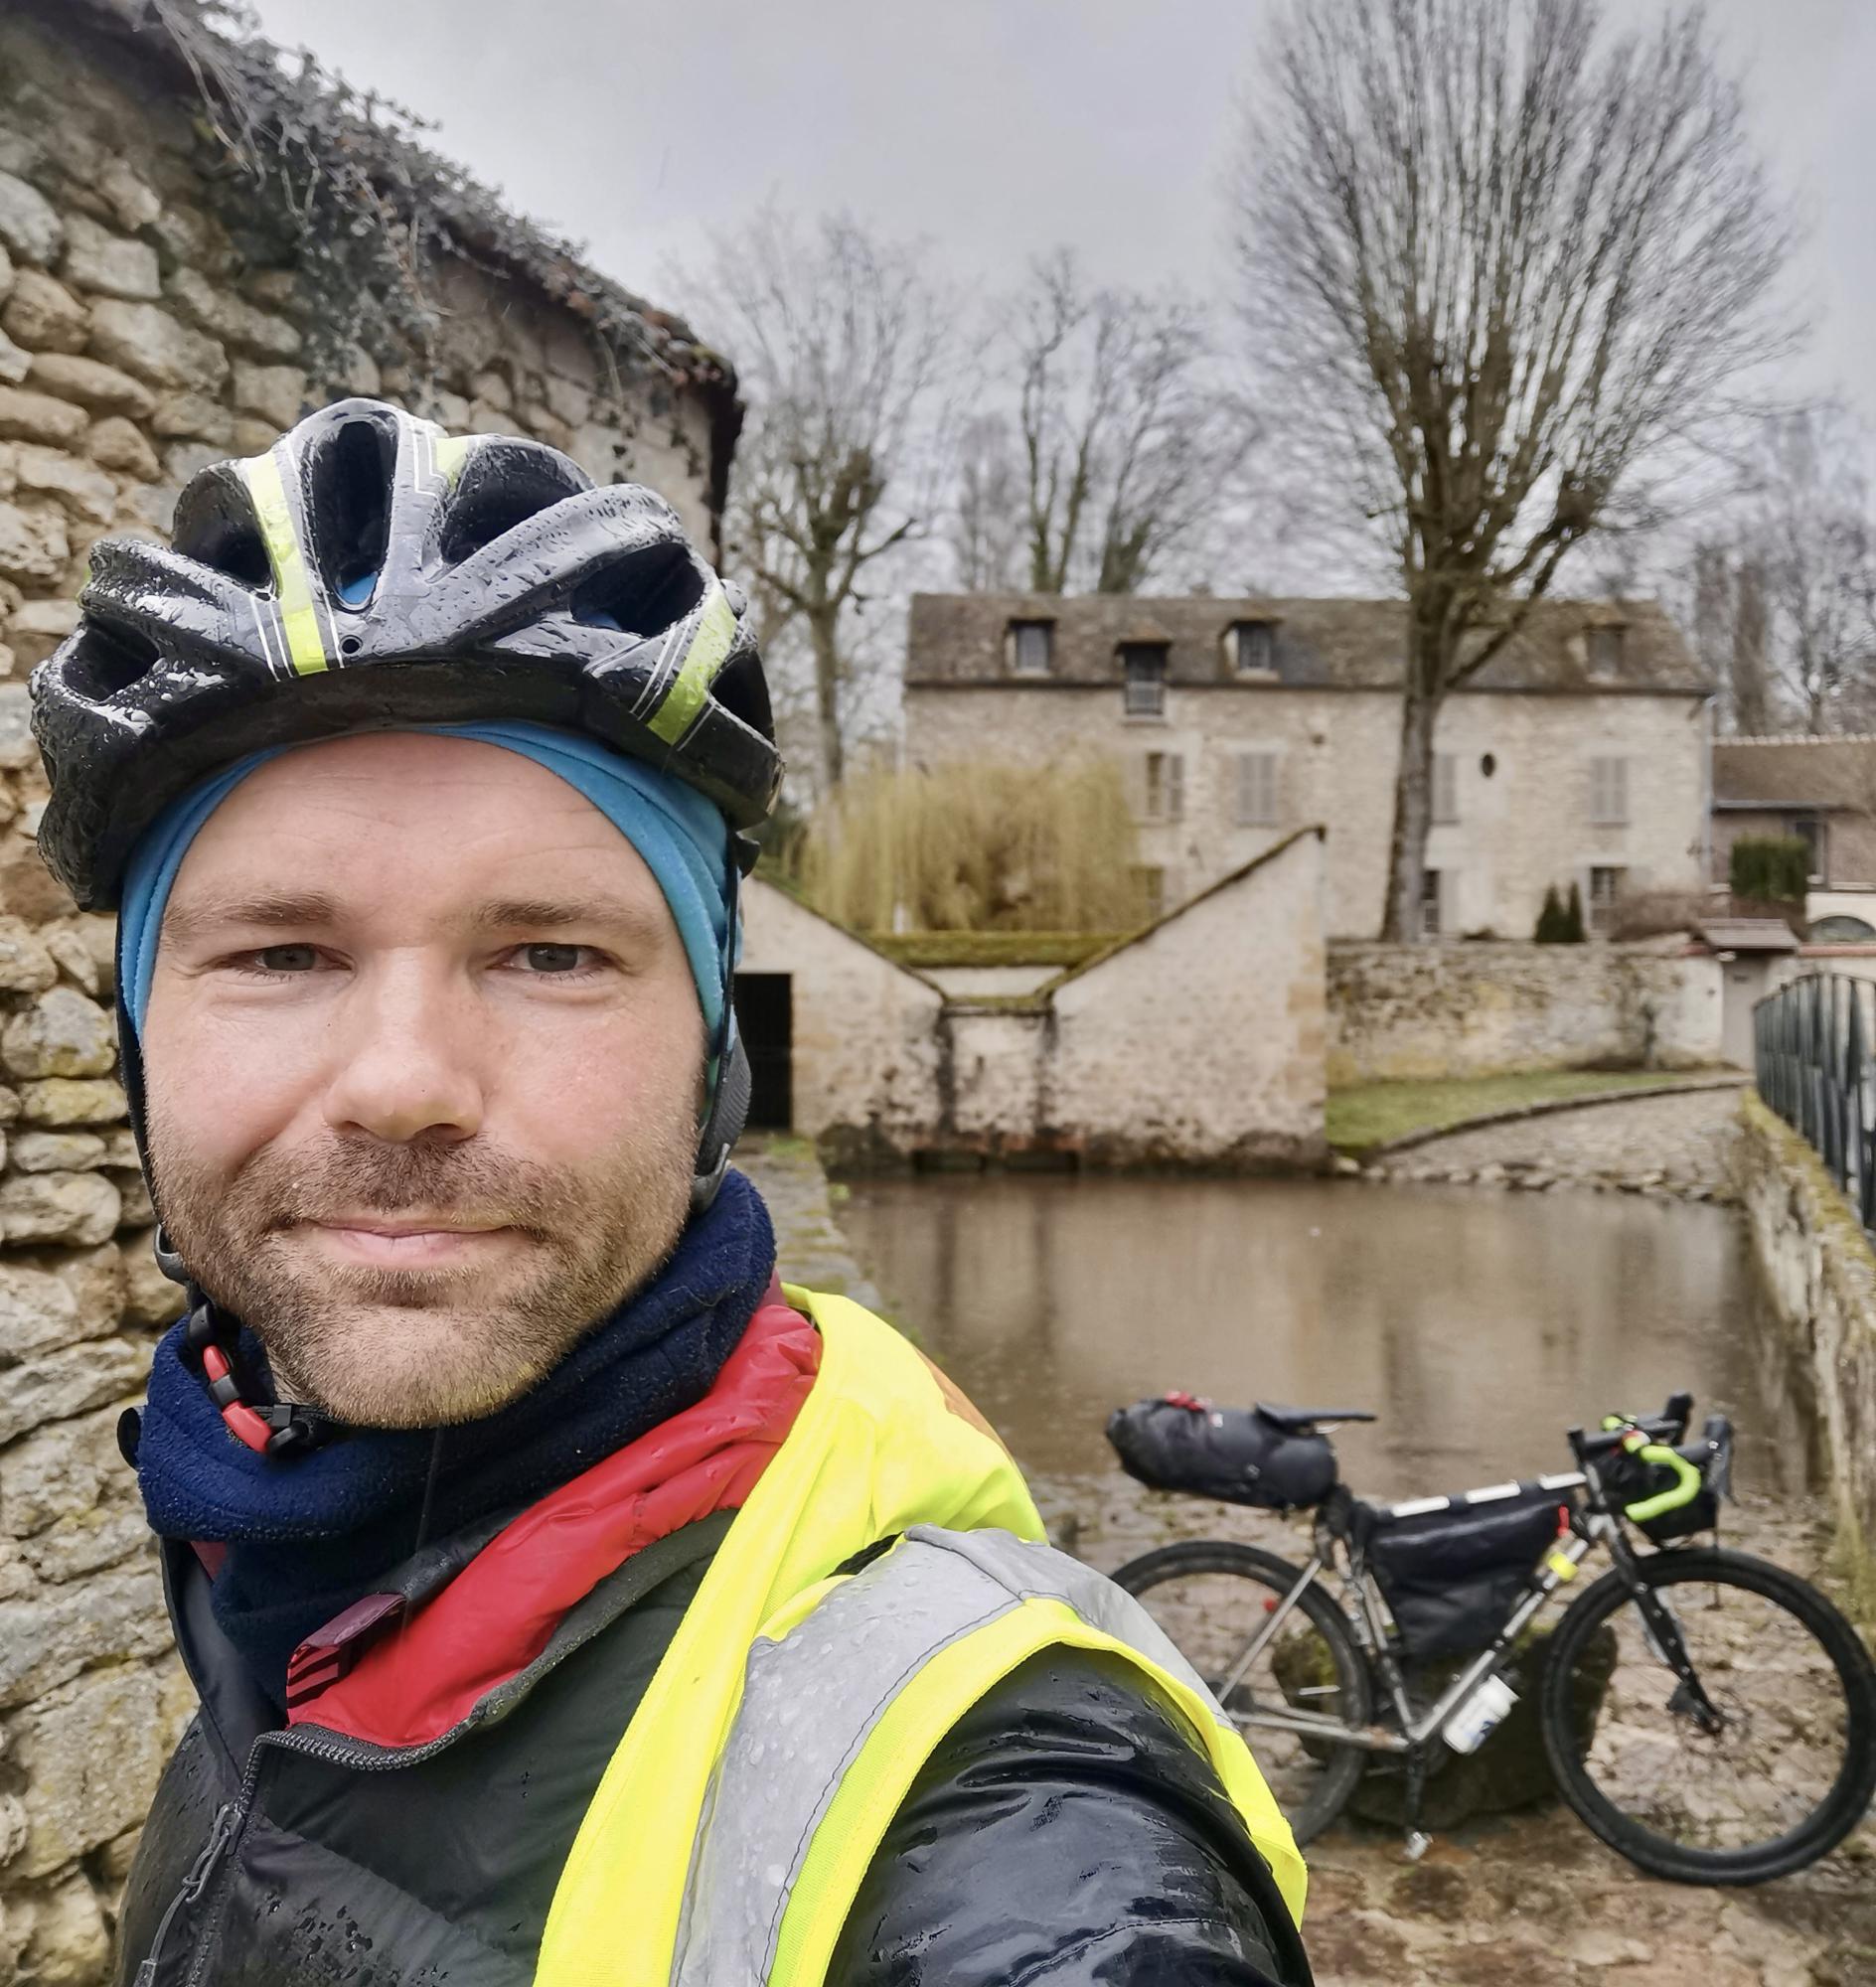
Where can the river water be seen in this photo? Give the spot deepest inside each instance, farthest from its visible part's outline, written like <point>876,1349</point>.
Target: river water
<point>1479,1325</point>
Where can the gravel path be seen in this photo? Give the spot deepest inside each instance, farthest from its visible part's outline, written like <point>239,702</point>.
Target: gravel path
<point>1677,1143</point>
<point>809,1246</point>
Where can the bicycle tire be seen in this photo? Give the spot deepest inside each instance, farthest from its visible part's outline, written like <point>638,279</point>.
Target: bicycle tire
<point>1339,1775</point>
<point>1660,1855</point>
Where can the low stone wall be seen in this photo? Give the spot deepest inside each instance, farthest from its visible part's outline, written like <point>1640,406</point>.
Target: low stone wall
<point>1402,1012</point>
<point>1819,1274</point>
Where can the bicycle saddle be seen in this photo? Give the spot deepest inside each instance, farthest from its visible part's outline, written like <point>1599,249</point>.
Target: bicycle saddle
<point>1294,1420</point>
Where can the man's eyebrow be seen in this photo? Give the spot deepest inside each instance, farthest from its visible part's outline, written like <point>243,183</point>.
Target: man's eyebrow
<point>272,910</point>
<point>563,913</point>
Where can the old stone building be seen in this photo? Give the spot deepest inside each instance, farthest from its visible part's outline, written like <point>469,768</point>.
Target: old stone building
<point>1821,789</point>
<point>196,245</point>
<point>1578,754</point>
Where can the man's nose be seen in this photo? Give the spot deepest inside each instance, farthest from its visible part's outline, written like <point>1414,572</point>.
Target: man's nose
<point>404,1057</point>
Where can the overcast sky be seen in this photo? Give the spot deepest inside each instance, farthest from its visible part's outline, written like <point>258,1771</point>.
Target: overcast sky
<point>995,128</point>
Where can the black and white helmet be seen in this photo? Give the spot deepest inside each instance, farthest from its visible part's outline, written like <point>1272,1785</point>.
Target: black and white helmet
<point>371,570</point>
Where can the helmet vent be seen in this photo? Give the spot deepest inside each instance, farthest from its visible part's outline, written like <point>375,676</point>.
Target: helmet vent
<point>642,593</point>
<point>503,484</point>
<point>236,551</point>
<point>106,661</point>
<point>349,473</point>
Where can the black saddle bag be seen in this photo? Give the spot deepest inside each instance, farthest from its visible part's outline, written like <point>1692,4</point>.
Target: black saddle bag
<point>1232,1453</point>
<point>1451,1577</point>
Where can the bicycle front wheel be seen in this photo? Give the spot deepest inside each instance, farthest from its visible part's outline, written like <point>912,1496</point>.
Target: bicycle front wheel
<point>1775,1773</point>
<point>1214,1599</point>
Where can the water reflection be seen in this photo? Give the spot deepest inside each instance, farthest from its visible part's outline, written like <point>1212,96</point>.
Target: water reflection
<point>1479,1325</point>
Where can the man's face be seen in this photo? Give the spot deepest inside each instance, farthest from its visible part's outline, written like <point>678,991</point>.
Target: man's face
<point>422,1058</point>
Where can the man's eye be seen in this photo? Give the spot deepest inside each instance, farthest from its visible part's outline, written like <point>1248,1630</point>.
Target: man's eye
<point>555,959</point>
<point>287,958</point>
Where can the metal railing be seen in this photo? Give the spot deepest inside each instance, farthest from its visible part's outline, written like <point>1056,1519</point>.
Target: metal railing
<point>1813,1047</point>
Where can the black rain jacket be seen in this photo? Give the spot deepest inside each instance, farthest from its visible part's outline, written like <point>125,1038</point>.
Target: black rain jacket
<point>1067,1832</point>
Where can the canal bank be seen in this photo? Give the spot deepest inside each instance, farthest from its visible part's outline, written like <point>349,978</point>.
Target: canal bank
<point>1481,1325</point>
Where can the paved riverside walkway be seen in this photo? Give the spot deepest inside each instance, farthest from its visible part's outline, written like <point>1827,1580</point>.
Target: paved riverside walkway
<point>1673,1144</point>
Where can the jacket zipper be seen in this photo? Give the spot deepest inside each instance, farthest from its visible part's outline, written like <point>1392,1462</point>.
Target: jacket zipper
<point>200,1871</point>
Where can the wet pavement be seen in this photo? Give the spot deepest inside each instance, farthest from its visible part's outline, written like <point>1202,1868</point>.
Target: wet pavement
<point>1480,1326</point>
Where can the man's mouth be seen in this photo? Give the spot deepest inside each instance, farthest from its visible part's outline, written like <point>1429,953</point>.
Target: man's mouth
<point>406,1242</point>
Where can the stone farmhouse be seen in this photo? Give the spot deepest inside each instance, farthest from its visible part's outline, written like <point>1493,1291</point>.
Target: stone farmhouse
<point>161,306</point>
<point>1822,791</point>
<point>1579,754</point>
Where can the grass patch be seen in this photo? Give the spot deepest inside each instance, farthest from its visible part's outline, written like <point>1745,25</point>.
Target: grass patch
<point>924,950</point>
<point>1367,1115</point>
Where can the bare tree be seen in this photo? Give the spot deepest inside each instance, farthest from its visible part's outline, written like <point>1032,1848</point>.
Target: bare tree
<point>1749,673</point>
<point>841,340</point>
<point>1123,430</point>
<point>1508,271</point>
<point>987,524</point>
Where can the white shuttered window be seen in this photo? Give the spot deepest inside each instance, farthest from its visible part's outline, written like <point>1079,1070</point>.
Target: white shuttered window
<point>1445,786</point>
<point>1257,790</point>
<point>1609,792</point>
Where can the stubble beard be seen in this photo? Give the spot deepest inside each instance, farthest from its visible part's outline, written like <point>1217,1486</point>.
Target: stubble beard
<point>425,1347</point>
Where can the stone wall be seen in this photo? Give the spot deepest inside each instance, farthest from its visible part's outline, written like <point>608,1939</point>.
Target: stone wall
<point>150,323</point>
<point>1819,1274</point>
<point>1199,1042</point>
<point>1399,1012</point>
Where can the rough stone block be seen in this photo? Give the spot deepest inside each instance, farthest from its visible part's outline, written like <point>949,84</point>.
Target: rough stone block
<point>78,1208</point>
<point>59,1384</point>
<point>118,444</point>
<point>137,1209</point>
<point>72,951</point>
<point>44,314</point>
<point>150,1298</point>
<point>185,459</point>
<point>56,1151</point>
<point>49,1638</point>
<point>62,1034</point>
<point>60,1100</point>
<point>112,265</point>
<point>71,1466</point>
<point>570,403</point>
<point>254,436</point>
<point>28,223</point>
<point>86,1542</point>
<point>33,542</point>
<point>6,274</point>
<point>120,1147</point>
<point>30,416</point>
<point>38,628</point>
<point>64,1939</point>
<point>235,322</point>
<point>105,389</point>
<point>193,417</point>
<point>85,493</point>
<point>40,1313</point>
<point>15,361</point>
<point>276,393</point>
<point>26,965</point>
<point>133,202</point>
<point>27,886</point>
<point>147,340</point>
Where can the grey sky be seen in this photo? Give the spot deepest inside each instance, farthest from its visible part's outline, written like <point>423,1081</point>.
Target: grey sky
<point>997,128</point>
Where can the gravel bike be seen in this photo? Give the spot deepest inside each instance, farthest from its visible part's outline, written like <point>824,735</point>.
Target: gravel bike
<point>1708,1715</point>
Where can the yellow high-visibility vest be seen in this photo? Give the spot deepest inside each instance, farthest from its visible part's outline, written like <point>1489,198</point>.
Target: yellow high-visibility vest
<point>795,1705</point>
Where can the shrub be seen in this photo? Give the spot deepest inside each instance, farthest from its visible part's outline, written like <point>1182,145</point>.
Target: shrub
<point>977,846</point>
<point>1774,869</point>
<point>1574,931</point>
<point>1550,919</point>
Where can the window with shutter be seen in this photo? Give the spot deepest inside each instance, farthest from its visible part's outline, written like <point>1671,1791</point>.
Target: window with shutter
<point>1444,788</point>
<point>1145,667</point>
<point>1608,792</point>
<point>1254,648</point>
<point>1166,786</point>
<point>1034,643</point>
<point>1430,896</point>
<point>1257,790</point>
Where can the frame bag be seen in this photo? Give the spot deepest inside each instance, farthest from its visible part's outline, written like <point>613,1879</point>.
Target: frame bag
<point>1451,1577</point>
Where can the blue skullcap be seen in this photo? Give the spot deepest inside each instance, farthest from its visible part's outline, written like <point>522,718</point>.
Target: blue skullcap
<point>682,838</point>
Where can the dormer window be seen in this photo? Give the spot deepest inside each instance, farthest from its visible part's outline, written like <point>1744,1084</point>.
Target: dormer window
<point>1253,647</point>
<point>1031,647</point>
<point>1605,650</point>
<point>1144,666</point>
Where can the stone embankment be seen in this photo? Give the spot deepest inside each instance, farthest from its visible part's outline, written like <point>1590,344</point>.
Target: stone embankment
<point>1674,1146</point>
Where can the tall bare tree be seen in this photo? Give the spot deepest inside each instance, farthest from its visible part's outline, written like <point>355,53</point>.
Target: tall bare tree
<point>1509,270</point>
<point>841,342</point>
<point>988,519</point>
<point>1123,428</point>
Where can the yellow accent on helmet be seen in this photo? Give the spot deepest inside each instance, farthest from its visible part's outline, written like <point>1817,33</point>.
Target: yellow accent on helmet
<point>691,686</point>
<point>306,647</point>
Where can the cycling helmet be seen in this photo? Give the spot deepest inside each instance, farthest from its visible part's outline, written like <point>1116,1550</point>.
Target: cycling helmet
<point>371,570</point>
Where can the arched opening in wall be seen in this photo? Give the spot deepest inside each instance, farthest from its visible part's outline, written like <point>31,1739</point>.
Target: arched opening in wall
<point>765,1018</point>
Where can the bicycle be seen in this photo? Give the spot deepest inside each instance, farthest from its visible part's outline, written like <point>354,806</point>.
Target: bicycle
<point>1711,1717</point>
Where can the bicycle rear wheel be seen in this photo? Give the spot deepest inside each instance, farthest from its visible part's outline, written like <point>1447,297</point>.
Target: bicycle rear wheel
<point>1211,1598</point>
<point>1789,1768</point>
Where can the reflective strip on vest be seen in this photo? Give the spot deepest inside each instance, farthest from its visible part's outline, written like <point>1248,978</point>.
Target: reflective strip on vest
<point>839,1714</point>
